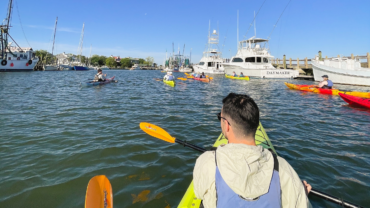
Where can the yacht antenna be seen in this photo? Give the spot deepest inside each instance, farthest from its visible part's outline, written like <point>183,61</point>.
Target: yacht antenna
<point>278,19</point>
<point>254,18</point>
<point>237,31</point>
<point>255,24</point>
<point>55,31</point>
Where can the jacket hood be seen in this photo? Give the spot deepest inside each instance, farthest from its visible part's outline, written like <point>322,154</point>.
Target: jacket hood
<point>246,169</point>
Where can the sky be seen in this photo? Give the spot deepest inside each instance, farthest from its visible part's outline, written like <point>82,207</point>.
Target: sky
<point>141,28</point>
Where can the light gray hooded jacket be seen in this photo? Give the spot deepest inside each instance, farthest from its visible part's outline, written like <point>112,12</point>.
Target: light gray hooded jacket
<point>247,170</point>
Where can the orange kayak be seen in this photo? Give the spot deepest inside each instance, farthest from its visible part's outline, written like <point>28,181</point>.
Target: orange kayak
<point>202,79</point>
<point>315,89</point>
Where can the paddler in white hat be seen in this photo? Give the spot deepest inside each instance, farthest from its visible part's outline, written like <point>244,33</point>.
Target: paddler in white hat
<point>169,76</point>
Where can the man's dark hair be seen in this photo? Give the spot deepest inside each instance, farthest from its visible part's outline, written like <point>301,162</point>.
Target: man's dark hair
<point>243,112</point>
<point>99,70</point>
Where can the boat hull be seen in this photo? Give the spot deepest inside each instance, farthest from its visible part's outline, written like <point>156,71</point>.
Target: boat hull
<point>50,68</point>
<point>18,66</point>
<point>209,70</point>
<point>262,73</point>
<point>80,68</point>
<point>356,101</point>
<point>340,76</point>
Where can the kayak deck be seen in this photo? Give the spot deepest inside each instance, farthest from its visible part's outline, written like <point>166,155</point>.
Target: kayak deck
<point>92,83</point>
<point>190,200</point>
<point>240,78</point>
<point>315,89</point>
<point>170,83</point>
<point>356,101</point>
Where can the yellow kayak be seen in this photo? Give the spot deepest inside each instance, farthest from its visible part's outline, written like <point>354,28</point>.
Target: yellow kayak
<point>241,78</point>
<point>170,83</point>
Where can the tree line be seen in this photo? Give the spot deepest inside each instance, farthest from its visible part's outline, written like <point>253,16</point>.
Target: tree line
<point>95,60</point>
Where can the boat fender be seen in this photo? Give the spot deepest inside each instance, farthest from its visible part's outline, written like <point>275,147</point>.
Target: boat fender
<point>30,62</point>
<point>263,77</point>
<point>4,62</point>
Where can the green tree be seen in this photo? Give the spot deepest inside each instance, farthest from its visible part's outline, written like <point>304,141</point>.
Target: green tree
<point>110,62</point>
<point>149,60</point>
<point>126,63</point>
<point>141,61</point>
<point>97,60</point>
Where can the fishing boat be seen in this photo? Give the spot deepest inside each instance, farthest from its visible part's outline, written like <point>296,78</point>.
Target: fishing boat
<point>254,60</point>
<point>14,59</point>
<point>211,62</point>
<point>135,67</point>
<point>341,70</point>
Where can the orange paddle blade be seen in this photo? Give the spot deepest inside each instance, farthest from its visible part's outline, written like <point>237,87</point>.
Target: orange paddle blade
<point>180,78</point>
<point>186,74</point>
<point>99,193</point>
<point>157,132</point>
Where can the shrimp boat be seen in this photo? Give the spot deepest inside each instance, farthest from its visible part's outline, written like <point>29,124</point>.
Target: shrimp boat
<point>14,58</point>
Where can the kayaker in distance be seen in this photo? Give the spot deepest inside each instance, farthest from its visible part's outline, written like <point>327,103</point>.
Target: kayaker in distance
<point>99,77</point>
<point>241,174</point>
<point>241,74</point>
<point>202,75</point>
<point>326,83</point>
<point>169,77</point>
<point>234,74</point>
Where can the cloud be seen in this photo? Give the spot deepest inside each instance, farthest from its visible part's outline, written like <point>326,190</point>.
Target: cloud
<point>59,29</point>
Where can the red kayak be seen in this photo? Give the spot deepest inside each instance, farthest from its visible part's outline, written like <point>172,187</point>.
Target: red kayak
<point>353,100</point>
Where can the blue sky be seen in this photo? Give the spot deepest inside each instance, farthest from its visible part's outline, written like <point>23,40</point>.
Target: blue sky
<point>148,28</point>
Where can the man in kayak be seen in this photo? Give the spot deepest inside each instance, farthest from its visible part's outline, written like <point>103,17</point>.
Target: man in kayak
<point>234,74</point>
<point>241,174</point>
<point>241,74</point>
<point>169,77</point>
<point>202,75</point>
<point>99,77</point>
<point>326,83</point>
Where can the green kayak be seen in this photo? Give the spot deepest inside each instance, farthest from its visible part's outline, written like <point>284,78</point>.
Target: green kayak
<point>189,200</point>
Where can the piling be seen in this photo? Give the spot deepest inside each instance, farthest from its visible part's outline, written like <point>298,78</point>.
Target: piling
<point>368,60</point>
<point>338,56</point>
<point>284,62</point>
<point>326,57</point>
<point>298,63</point>
<point>352,56</point>
<point>306,63</point>
<point>290,62</point>
<point>320,56</point>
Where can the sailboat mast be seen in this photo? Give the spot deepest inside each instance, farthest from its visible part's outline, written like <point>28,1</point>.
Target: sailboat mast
<point>81,41</point>
<point>55,31</point>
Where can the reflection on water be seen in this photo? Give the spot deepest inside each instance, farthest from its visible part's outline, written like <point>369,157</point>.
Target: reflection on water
<point>56,135</point>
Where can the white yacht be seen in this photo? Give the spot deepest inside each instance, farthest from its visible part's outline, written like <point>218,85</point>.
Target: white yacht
<point>211,62</point>
<point>341,70</point>
<point>253,59</point>
<point>14,59</point>
<point>135,67</point>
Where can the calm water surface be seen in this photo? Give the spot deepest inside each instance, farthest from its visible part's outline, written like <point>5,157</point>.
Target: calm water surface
<point>55,136</point>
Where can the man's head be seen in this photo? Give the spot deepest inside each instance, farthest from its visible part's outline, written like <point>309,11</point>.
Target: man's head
<point>202,73</point>
<point>100,71</point>
<point>325,77</point>
<point>240,117</point>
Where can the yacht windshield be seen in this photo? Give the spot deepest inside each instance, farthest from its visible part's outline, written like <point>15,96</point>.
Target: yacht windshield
<point>201,63</point>
<point>237,60</point>
<point>250,59</point>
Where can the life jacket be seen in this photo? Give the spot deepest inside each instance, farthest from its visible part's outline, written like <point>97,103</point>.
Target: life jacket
<point>226,197</point>
<point>329,85</point>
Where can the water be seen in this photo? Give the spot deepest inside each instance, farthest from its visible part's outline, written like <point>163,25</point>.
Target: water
<point>55,136</point>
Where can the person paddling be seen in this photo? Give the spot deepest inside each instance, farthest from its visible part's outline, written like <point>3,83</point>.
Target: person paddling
<point>326,83</point>
<point>234,74</point>
<point>241,174</point>
<point>99,77</point>
<point>169,77</point>
<point>241,74</point>
<point>202,75</point>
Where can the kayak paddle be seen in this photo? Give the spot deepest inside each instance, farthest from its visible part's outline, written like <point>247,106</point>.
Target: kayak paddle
<point>180,78</point>
<point>99,193</point>
<point>158,132</point>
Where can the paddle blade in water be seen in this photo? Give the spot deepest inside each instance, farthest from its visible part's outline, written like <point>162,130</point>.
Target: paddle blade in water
<point>157,132</point>
<point>180,78</point>
<point>99,193</point>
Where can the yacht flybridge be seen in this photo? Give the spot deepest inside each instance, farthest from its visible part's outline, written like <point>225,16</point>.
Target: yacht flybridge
<point>253,59</point>
<point>211,62</point>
